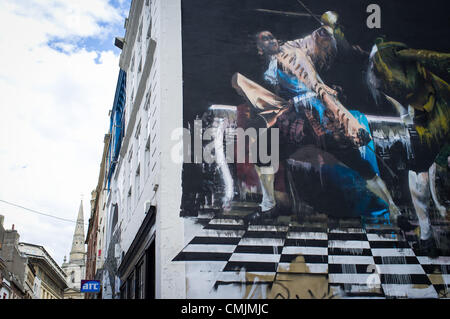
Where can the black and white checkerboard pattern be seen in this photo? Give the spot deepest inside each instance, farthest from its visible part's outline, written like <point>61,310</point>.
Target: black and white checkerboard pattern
<point>371,261</point>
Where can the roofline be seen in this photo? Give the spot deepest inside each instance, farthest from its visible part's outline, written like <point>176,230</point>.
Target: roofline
<point>46,253</point>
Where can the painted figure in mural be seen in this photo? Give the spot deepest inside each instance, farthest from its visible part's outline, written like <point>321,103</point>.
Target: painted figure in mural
<point>267,109</point>
<point>415,82</point>
<point>312,108</point>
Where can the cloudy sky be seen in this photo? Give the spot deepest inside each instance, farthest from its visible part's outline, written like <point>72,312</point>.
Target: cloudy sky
<point>58,72</point>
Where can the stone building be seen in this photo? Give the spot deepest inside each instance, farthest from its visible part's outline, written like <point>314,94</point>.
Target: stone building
<point>27,271</point>
<point>14,264</point>
<point>43,278</point>
<point>96,228</point>
<point>75,268</point>
<point>5,288</point>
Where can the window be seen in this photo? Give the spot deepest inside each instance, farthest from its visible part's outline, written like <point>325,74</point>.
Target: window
<point>150,270</point>
<point>137,182</point>
<point>115,216</point>
<point>140,276</point>
<point>132,64</point>
<point>149,15</point>
<point>139,35</point>
<point>149,31</point>
<point>130,155</point>
<point>123,291</point>
<point>130,287</point>
<point>138,130</point>
<point>147,101</point>
<point>147,158</point>
<point>140,66</point>
<point>129,200</point>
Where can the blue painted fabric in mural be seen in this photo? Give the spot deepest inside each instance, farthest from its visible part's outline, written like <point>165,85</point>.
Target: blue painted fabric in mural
<point>367,151</point>
<point>350,184</point>
<point>353,193</point>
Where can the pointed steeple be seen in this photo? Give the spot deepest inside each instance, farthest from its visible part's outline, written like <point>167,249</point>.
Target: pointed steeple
<point>77,252</point>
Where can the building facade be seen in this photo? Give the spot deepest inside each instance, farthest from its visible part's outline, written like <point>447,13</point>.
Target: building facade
<point>185,218</point>
<point>5,286</point>
<point>75,268</point>
<point>139,157</point>
<point>15,265</point>
<point>43,275</point>
<point>108,227</point>
<point>96,229</point>
<point>27,271</point>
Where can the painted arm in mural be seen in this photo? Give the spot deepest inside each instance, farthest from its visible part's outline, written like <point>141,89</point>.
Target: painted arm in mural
<point>295,58</point>
<point>302,58</point>
<point>297,62</point>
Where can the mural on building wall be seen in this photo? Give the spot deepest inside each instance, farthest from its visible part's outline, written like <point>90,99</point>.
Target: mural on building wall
<point>316,159</point>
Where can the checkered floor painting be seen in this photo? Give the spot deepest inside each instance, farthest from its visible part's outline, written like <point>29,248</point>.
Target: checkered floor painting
<point>371,261</point>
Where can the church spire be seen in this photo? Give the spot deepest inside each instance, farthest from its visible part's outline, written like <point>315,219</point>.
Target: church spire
<point>78,250</point>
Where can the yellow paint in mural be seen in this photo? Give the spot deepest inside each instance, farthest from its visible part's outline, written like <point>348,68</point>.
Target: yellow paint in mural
<point>437,127</point>
<point>296,282</point>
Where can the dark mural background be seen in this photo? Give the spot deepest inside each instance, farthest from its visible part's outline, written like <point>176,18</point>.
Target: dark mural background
<point>300,253</point>
<point>219,40</point>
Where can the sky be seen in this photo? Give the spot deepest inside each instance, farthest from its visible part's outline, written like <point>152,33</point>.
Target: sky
<point>58,73</point>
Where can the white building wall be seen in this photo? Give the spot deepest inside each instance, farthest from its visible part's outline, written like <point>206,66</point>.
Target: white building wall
<point>79,273</point>
<point>146,173</point>
<point>170,276</point>
<point>140,166</point>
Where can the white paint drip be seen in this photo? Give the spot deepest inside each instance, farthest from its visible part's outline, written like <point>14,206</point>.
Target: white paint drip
<point>389,130</point>
<point>393,260</point>
<point>348,268</point>
<point>222,164</point>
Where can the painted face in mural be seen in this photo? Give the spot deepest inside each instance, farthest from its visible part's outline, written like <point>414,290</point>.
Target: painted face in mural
<point>266,43</point>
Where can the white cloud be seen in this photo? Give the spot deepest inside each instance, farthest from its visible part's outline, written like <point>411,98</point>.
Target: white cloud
<point>54,105</point>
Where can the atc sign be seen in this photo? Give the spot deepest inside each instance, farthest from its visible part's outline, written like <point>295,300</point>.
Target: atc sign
<point>90,286</point>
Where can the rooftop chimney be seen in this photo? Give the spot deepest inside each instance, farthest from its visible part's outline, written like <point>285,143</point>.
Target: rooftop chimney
<point>118,42</point>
